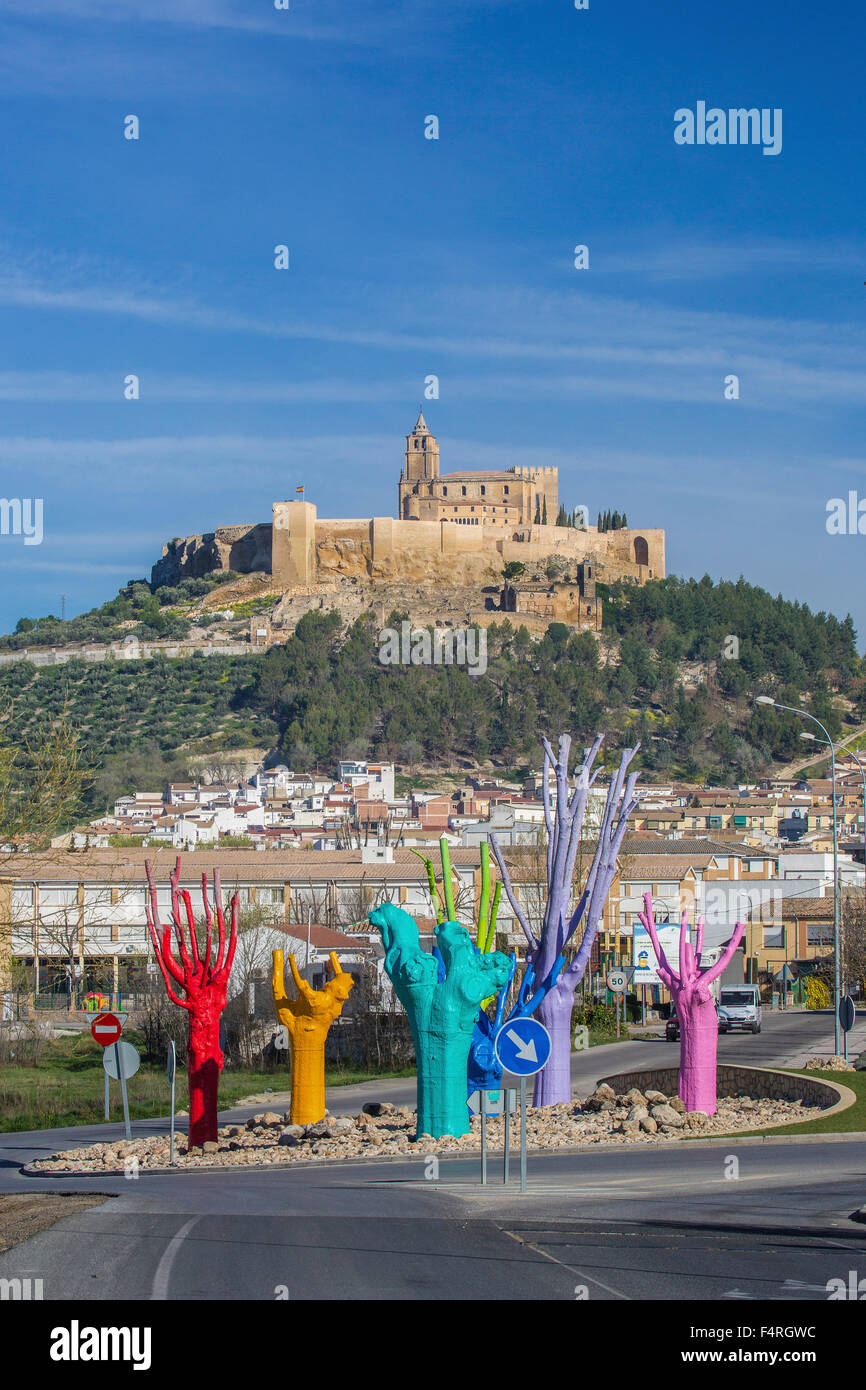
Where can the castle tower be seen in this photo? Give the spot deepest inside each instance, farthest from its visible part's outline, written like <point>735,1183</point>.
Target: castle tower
<point>422,453</point>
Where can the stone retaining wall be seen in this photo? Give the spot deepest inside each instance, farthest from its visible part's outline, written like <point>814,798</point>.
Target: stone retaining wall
<point>734,1081</point>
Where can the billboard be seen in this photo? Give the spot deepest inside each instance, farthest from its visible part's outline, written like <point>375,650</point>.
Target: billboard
<point>644,957</point>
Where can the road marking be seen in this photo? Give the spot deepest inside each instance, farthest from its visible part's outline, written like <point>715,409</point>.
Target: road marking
<point>562,1264</point>
<point>791,1284</point>
<point>525,1047</point>
<point>163,1269</point>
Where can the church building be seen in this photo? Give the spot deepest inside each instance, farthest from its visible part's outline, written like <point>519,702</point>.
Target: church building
<point>493,497</point>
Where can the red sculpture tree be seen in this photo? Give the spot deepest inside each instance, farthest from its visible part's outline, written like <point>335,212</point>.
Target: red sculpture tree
<point>203,983</point>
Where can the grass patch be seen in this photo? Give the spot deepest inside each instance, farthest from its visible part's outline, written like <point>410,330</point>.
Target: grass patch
<point>66,1087</point>
<point>599,1038</point>
<point>850,1121</point>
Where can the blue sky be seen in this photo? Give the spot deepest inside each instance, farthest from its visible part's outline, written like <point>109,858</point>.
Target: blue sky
<point>412,256</point>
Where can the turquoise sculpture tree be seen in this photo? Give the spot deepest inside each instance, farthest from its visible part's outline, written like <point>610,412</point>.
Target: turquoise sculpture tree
<point>442,1013</point>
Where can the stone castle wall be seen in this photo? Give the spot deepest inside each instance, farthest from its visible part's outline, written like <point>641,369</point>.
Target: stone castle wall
<point>301,550</point>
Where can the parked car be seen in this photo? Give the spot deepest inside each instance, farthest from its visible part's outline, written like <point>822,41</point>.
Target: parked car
<point>739,1007</point>
<point>672,1027</point>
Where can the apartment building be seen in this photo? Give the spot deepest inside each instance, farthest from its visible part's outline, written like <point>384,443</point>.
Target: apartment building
<point>82,914</point>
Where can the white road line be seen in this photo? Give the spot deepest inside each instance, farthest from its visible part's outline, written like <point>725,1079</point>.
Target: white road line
<point>562,1264</point>
<point>163,1269</point>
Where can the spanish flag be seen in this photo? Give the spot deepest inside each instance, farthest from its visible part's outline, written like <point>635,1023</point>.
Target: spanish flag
<point>299,489</point>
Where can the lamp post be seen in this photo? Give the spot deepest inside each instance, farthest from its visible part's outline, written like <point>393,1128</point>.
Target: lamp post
<point>742,893</point>
<point>667,918</point>
<point>862,771</point>
<point>837,990</point>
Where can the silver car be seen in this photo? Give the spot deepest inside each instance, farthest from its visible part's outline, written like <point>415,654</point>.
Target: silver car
<point>740,1007</point>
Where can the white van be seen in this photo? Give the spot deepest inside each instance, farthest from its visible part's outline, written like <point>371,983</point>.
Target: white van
<point>739,1007</point>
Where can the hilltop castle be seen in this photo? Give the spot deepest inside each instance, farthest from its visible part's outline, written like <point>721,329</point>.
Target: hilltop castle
<point>453,530</point>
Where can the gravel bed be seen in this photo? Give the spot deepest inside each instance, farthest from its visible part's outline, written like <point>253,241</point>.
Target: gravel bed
<point>385,1130</point>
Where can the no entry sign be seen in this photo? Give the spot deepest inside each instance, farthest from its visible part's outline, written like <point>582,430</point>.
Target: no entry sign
<point>106,1029</point>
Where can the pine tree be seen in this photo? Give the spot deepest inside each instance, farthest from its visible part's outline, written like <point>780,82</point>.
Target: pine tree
<point>537,521</point>
<point>544,514</point>
<point>562,516</point>
<point>598,523</point>
<point>624,522</point>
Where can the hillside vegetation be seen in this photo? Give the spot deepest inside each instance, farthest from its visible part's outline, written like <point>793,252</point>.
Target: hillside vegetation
<point>659,673</point>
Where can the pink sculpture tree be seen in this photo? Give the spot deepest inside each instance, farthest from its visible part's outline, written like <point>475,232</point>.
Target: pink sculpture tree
<point>204,983</point>
<point>696,1010</point>
<point>545,950</point>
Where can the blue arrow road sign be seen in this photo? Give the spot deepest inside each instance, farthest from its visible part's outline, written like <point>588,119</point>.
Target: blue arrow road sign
<point>523,1046</point>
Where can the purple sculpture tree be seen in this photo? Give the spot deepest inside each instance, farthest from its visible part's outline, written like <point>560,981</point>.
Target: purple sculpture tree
<point>696,1011</point>
<point>564,832</point>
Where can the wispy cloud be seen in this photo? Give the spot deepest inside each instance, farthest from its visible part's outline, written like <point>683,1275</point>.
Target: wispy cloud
<point>606,345</point>
<point>192,14</point>
<point>664,256</point>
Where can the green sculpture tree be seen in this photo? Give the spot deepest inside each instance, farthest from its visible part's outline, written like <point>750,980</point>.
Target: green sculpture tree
<point>441,1013</point>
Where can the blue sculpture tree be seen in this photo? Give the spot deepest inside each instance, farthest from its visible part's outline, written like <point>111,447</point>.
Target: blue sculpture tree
<point>485,1068</point>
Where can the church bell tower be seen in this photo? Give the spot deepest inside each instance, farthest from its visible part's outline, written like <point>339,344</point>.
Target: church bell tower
<point>422,454</point>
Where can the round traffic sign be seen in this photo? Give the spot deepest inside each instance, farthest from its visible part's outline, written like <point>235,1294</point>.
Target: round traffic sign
<point>129,1058</point>
<point>523,1046</point>
<point>106,1029</point>
<point>617,981</point>
<point>847,1013</point>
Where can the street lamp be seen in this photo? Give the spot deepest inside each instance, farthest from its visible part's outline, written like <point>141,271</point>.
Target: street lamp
<point>667,918</point>
<point>742,893</point>
<point>837,987</point>
<point>862,771</point>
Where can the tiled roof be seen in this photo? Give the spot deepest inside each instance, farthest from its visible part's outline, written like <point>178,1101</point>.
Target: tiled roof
<point>692,844</point>
<point>657,869</point>
<point>323,938</point>
<point>126,865</point>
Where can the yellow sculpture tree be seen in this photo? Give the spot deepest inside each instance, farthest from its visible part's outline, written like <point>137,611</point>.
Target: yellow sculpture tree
<point>307,1020</point>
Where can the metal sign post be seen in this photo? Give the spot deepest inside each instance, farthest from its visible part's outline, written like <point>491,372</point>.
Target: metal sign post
<point>523,1134</point>
<point>122,1061</point>
<point>523,1047</point>
<point>171,1067</point>
<point>118,1058</point>
<point>616,983</point>
<point>491,1103</point>
<point>847,1014</point>
<point>483,1148</point>
<point>105,1029</point>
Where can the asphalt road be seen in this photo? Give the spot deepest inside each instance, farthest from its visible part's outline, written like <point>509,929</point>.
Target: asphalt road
<point>678,1222</point>
<point>649,1224</point>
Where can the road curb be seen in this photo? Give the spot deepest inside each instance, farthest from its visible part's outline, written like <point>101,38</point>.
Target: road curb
<point>725,1141</point>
